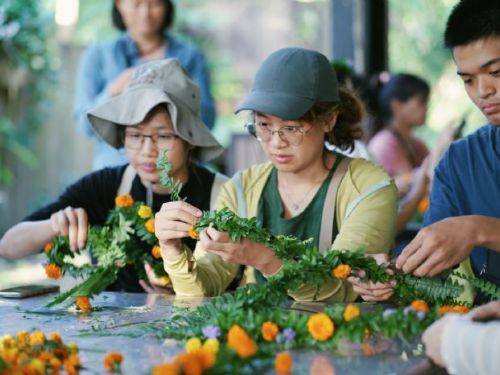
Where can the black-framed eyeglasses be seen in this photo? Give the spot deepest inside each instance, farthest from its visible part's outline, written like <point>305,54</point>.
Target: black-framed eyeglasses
<point>160,141</point>
<point>294,135</point>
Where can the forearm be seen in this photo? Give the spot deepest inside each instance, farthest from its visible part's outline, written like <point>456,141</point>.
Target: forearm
<point>26,238</point>
<point>487,231</point>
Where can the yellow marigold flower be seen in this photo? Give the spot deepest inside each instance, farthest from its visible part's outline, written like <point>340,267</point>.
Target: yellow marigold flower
<point>124,200</point>
<point>190,363</point>
<point>156,252</point>
<point>144,212</point>
<point>48,247</point>
<point>35,366</point>
<point>83,303</point>
<point>73,348</point>
<point>351,311</point>
<point>192,233</point>
<point>283,363</point>
<point>193,344</point>
<point>22,337</point>
<point>320,326</point>
<point>10,355</point>
<point>166,369</point>
<point>269,331</point>
<point>53,271</point>
<point>37,338</point>
<point>206,358</point>
<point>241,342</point>
<point>419,305</point>
<point>7,342</point>
<point>55,336</point>
<point>341,271</point>
<point>150,225</point>
<point>112,361</point>
<point>211,345</point>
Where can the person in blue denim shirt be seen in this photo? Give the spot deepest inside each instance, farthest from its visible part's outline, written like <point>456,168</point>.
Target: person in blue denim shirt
<point>105,69</point>
<point>464,215</point>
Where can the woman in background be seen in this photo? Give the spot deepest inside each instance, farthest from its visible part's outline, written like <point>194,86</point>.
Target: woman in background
<point>105,69</point>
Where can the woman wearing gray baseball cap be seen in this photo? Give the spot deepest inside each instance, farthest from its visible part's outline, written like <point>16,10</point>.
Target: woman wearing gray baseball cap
<point>159,110</point>
<point>305,190</point>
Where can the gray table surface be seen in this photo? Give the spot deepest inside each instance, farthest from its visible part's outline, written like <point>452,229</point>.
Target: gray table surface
<point>116,325</point>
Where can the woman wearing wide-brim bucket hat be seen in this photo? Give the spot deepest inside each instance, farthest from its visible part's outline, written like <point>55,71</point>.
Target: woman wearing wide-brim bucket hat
<point>159,110</point>
<point>306,190</point>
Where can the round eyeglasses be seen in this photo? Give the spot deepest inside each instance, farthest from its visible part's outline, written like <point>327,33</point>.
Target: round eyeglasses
<point>294,135</point>
<point>160,141</point>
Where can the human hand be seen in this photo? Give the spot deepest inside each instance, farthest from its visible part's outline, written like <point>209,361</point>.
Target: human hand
<point>71,222</point>
<point>370,291</point>
<point>118,85</point>
<point>172,223</point>
<point>432,338</point>
<point>438,247</point>
<point>155,284</point>
<point>486,312</point>
<point>245,252</point>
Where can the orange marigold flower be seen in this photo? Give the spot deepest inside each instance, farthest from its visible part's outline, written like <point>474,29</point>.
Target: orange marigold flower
<point>53,271</point>
<point>206,358</point>
<point>156,252</point>
<point>241,342</point>
<point>269,331</point>
<point>190,363</point>
<point>192,233</point>
<point>150,225</point>
<point>455,309</point>
<point>22,337</point>
<point>55,336</point>
<point>83,303</point>
<point>341,271</point>
<point>48,247</point>
<point>56,364</point>
<point>72,364</point>
<point>320,326</point>
<point>37,338</point>
<point>10,355</point>
<point>283,363</point>
<point>166,369</point>
<point>419,305</point>
<point>7,342</point>
<point>124,200</point>
<point>423,205</point>
<point>112,361</point>
<point>45,356</point>
<point>351,311</point>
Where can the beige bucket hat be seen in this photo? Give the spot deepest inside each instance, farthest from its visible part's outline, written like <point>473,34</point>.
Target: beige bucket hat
<point>153,83</point>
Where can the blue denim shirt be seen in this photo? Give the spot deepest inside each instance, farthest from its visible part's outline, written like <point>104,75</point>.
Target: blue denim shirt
<point>467,182</point>
<point>102,64</point>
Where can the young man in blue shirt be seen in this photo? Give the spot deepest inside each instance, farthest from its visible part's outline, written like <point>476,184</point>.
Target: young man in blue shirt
<point>464,215</point>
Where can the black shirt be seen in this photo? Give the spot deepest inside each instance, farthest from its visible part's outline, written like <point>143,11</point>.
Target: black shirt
<point>96,193</point>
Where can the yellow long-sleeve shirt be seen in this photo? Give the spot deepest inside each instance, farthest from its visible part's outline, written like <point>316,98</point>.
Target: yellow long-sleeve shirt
<point>365,212</point>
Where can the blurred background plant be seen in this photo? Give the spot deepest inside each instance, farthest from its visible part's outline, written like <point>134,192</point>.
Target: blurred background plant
<point>26,77</point>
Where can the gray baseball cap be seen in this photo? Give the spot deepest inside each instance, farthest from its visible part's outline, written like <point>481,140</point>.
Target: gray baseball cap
<point>290,81</point>
<point>153,83</point>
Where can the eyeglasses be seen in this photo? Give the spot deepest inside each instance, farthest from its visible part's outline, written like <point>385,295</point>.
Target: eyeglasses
<point>294,135</point>
<point>135,141</point>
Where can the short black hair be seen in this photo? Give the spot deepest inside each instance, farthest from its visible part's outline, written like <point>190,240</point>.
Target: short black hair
<point>117,19</point>
<point>402,87</point>
<point>472,20</point>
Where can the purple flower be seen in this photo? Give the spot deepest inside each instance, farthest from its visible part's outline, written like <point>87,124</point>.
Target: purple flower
<point>44,263</point>
<point>211,332</point>
<point>388,312</point>
<point>407,310</point>
<point>288,334</point>
<point>421,315</point>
